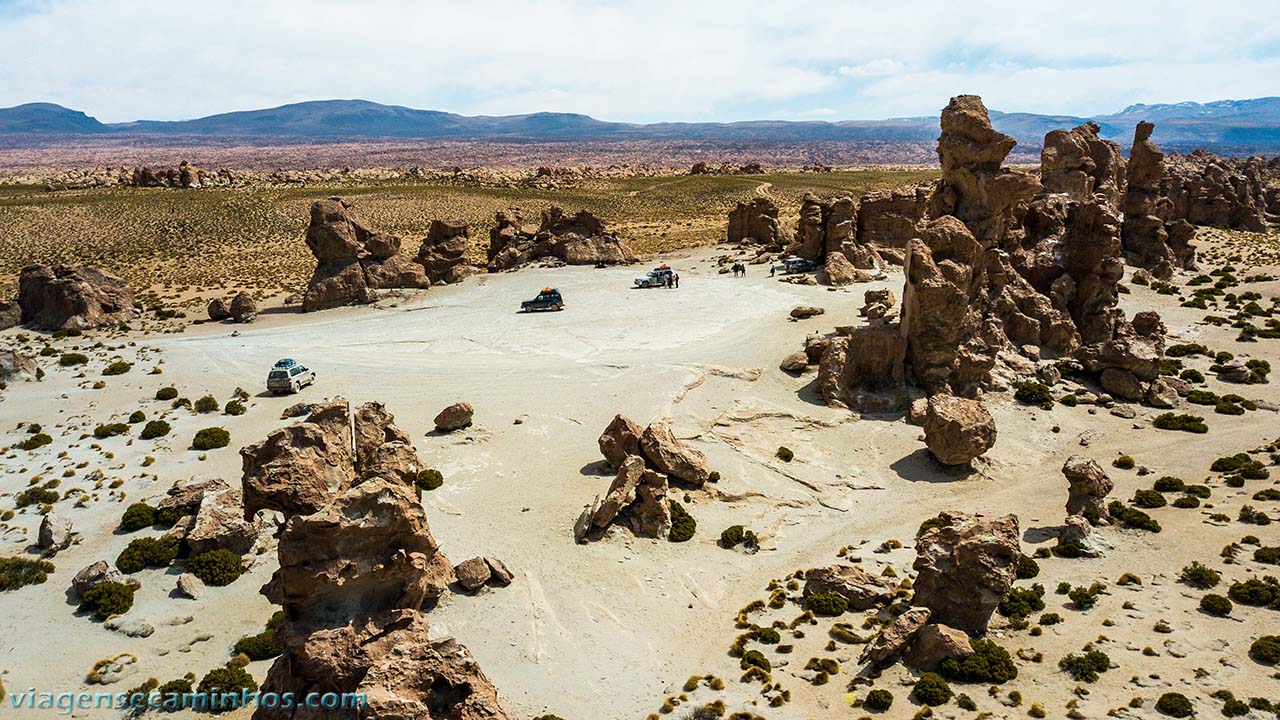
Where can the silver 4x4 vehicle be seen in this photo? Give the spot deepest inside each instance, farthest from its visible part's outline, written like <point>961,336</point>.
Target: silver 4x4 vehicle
<point>287,376</point>
<point>656,277</point>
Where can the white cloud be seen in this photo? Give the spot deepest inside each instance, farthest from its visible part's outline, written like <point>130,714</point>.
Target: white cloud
<point>621,60</point>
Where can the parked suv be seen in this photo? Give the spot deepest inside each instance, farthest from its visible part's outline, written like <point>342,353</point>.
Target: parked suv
<point>287,376</point>
<point>656,277</point>
<point>548,299</point>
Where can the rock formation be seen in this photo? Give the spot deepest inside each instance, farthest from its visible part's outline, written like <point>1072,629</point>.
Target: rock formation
<point>1088,487</point>
<point>827,229</point>
<point>581,239</point>
<point>352,261</point>
<point>965,566</point>
<point>243,308</point>
<point>755,222</point>
<point>887,219</point>
<point>1079,163</point>
<point>957,430</point>
<point>55,534</point>
<point>444,252</point>
<point>1148,242</point>
<point>16,366</point>
<point>862,590</point>
<point>1205,189</point>
<point>73,298</point>
<point>455,417</point>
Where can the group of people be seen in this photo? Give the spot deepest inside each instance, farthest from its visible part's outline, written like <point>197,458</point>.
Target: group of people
<point>739,270</point>
<point>673,280</point>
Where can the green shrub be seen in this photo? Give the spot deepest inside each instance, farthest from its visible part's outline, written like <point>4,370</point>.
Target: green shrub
<point>216,567</point>
<point>683,525</point>
<point>1020,602</point>
<point>1050,619</point>
<point>1266,649</point>
<point>147,552</point>
<point>36,496</point>
<point>1201,491</point>
<point>1086,666</point>
<point>1192,375</point>
<point>17,572</point>
<point>167,393</point>
<point>234,407</point>
<point>1033,393</point>
<point>1215,605</point>
<point>1123,462</point>
<point>1082,597</point>
<point>205,404</point>
<point>1186,502</point>
<point>755,658</point>
<point>1132,517</point>
<point>1175,704</point>
<point>211,438</point>
<point>784,454</point>
<point>107,598</point>
<point>35,441</point>
<point>1183,422</point>
<point>989,663</point>
<point>1200,576</point>
<point>1267,555</point>
<point>1185,349</point>
<point>735,535</point>
<point>137,516</point>
<point>826,604</point>
<point>1253,517</point>
<point>930,524</point>
<point>932,690</point>
<point>1234,708</point>
<point>1267,495</point>
<point>136,417</point>
<point>227,680</point>
<point>1069,400</point>
<point>878,700</point>
<point>430,479</point>
<point>102,432</point>
<point>1202,397</point>
<point>1027,568</point>
<point>258,647</point>
<point>1169,484</point>
<point>118,367</point>
<point>1148,499</point>
<point>73,359</point>
<point>1255,592</point>
<point>154,429</point>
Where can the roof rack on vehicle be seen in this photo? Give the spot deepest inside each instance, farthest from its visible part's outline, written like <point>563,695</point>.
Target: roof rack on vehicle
<point>286,363</point>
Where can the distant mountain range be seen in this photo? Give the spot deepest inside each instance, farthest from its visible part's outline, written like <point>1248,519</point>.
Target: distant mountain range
<point>1246,125</point>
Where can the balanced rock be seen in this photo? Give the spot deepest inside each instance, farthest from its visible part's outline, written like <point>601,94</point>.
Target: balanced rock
<point>1088,486</point>
<point>298,468</point>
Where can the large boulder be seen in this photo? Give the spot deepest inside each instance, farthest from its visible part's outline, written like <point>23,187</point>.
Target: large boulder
<point>444,251</point>
<point>73,298</point>
<point>382,449</point>
<point>352,261</point>
<point>620,440</point>
<point>1087,486</point>
<point>864,370</point>
<point>861,589</point>
<point>1079,163</point>
<point>957,430</point>
<point>219,523</point>
<point>964,566</point>
<point>894,638</point>
<point>755,222</point>
<point>935,643</point>
<point>10,314</point>
<point>16,366</point>
<point>455,417</point>
<point>218,310</point>
<point>297,468</point>
<point>55,534</point>
<point>243,308</point>
<point>673,457</point>
<point>97,572</point>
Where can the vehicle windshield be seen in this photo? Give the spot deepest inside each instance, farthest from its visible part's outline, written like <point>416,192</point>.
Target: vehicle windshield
<point>277,375</point>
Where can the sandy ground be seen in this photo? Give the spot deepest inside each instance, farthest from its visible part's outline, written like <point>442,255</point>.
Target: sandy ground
<point>612,628</point>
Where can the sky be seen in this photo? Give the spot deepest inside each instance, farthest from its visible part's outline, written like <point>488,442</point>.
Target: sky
<point>656,60</point>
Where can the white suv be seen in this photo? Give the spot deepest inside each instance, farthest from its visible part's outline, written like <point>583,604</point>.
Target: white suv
<point>287,376</point>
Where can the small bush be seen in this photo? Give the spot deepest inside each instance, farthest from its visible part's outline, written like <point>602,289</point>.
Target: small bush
<point>258,647</point>
<point>136,417</point>
<point>1183,422</point>
<point>227,680</point>
<point>1215,605</point>
<point>106,599</point>
<point>784,454</point>
<point>1132,517</point>
<point>206,404</point>
<point>989,663</point>
<point>1186,502</point>
<point>1085,667</point>
<point>1021,602</point>
<point>1255,592</point>
<point>167,393</point>
<point>1148,499</point>
<point>683,525</point>
<point>1082,597</point>
<point>735,535</point>
<point>878,700</point>
<point>35,441</point>
<point>1266,649</point>
<point>1033,393</point>
<point>827,604</point>
<point>1027,568</point>
<point>137,516</point>
<point>932,690</point>
<point>73,359</point>
<point>102,432</point>
<point>755,658</point>
<point>118,367</point>
<point>1169,484</point>
<point>154,429</point>
<point>430,479</point>
<point>211,438</point>
<point>1267,555</point>
<point>234,407</point>
<point>36,496</point>
<point>1175,705</point>
<point>1199,576</point>
<point>1124,462</point>
<point>17,572</point>
<point>216,567</point>
<point>147,552</point>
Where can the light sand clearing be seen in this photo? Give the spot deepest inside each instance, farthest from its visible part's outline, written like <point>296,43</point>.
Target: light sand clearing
<point>610,629</point>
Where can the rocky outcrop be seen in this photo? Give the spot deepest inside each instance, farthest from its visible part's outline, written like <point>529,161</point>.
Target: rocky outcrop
<point>73,298</point>
<point>444,252</point>
<point>935,643</point>
<point>479,572</point>
<point>1148,242</point>
<point>381,449</point>
<point>184,175</point>
<point>580,239</point>
<point>297,468</point>
<point>862,590</point>
<point>1204,189</point>
<point>1087,487</point>
<point>352,261</point>
<point>637,497</point>
<point>1079,164</point>
<point>755,222</point>
<point>896,637</point>
<point>828,229</point>
<point>964,566</point>
<point>887,219</point>
<point>957,430</point>
<point>864,370</point>
<point>15,366</point>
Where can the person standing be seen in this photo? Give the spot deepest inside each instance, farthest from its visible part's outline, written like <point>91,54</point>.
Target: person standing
<point>676,277</point>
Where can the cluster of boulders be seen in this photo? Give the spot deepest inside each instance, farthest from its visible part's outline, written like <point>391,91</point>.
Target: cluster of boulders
<point>67,297</point>
<point>1205,189</point>
<point>352,260</point>
<point>965,564</point>
<point>647,461</point>
<point>579,239</point>
<point>357,564</point>
<point>726,168</point>
<point>241,309</point>
<point>755,223</point>
<point>444,252</point>
<point>1002,261</point>
<point>185,175</point>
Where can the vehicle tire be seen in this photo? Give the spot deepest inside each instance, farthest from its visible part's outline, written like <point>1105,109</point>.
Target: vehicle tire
<point>559,307</point>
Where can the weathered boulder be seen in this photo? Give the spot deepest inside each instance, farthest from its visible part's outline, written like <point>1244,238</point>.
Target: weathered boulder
<point>894,638</point>
<point>580,239</point>
<point>243,308</point>
<point>935,643</point>
<point>73,298</point>
<point>299,467</point>
<point>220,524</point>
<point>755,222</point>
<point>455,417</point>
<point>10,314</point>
<point>17,366</point>
<point>864,370</point>
<point>838,271</point>
<point>1122,384</point>
<point>472,574</point>
<point>218,309</point>
<point>964,566</point>
<point>671,456</point>
<point>887,219</point>
<point>861,589</point>
<point>55,534</point>
<point>1076,538</point>
<point>98,572</point>
<point>796,362</point>
<point>802,312</point>
<point>444,251</point>
<point>619,440</point>
<point>1146,241</point>
<point>381,448</point>
<point>957,430</point>
<point>1088,486</point>
<point>189,586</point>
<point>352,261</point>
<point>1079,163</point>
